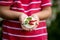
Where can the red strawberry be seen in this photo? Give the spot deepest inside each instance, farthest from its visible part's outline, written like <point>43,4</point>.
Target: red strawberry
<point>32,22</point>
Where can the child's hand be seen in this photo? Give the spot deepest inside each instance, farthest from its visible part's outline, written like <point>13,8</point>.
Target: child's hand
<point>37,18</point>
<point>21,19</point>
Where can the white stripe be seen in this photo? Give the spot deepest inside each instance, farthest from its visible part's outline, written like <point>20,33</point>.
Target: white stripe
<point>19,22</point>
<point>28,3</point>
<point>26,10</point>
<point>5,1</point>
<point>21,28</point>
<point>33,9</point>
<point>12,27</point>
<point>24,35</point>
<point>46,4</point>
<point>31,3</point>
<point>40,28</point>
<point>4,39</point>
<point>18,1</point>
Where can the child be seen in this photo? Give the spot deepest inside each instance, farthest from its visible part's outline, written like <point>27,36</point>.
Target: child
<point>14,11</point>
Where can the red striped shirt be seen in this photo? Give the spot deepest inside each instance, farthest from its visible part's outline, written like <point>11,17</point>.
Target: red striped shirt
<point>12,29</point>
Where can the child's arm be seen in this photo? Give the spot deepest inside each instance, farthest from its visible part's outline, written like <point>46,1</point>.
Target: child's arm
<point>6,13</point>
<point>45,13</point>
<point>42,15</point>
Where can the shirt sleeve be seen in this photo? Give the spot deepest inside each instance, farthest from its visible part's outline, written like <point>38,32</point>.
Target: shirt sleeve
<point>46,3</point>
<point>6,2</point>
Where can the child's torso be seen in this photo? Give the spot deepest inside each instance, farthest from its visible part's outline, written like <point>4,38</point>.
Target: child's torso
<point>13,28</point>
<point>27,6</point>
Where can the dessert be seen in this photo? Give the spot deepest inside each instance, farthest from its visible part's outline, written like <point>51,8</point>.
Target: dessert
<point>30,22</point>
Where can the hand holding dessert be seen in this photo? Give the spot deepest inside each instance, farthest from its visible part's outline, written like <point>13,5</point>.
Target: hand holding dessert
<point>29,23</point>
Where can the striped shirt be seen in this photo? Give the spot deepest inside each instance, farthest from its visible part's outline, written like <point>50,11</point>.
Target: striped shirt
<point>12,29</point>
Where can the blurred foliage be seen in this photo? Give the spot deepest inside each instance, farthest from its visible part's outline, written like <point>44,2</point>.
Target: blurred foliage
<point>54,2</point>
<point>54,28</point>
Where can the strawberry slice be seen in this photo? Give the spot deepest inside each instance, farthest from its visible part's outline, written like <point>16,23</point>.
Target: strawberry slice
<point>32,22</point>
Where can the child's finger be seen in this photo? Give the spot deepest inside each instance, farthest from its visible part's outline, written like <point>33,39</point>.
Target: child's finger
<point>24,28</point>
